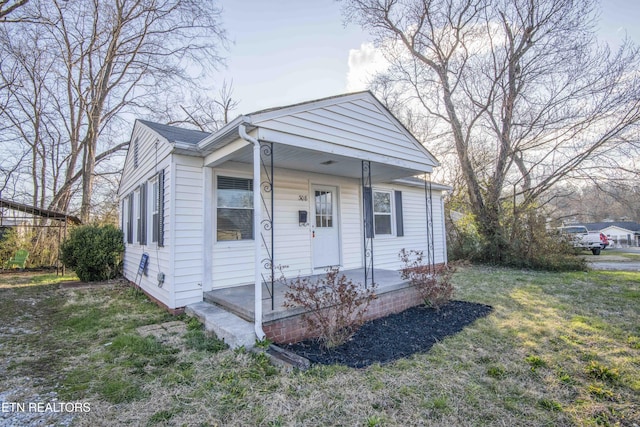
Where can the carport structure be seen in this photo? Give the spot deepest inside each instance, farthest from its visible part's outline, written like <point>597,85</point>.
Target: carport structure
<point>14,214</point>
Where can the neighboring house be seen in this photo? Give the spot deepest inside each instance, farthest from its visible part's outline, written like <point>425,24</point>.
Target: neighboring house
<point>338,187</point>
<point>622,233</point>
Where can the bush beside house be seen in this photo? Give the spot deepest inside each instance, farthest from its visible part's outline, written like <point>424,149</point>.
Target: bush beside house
<point>94,252</point>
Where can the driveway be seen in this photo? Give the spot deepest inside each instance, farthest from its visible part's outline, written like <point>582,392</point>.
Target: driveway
<point>614,259</point>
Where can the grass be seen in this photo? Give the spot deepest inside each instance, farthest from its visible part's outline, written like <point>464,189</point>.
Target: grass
<point>559,349</point>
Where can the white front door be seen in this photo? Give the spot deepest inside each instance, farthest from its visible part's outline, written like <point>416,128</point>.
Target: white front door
<point>324,226</point>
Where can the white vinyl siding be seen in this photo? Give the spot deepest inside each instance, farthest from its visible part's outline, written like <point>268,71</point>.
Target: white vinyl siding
<point>232,261</point>
<point>153,156</point>
<point>188,240</point>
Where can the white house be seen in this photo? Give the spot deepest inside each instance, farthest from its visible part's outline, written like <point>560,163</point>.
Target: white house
<point>620,233</point>
<point>340,184</point>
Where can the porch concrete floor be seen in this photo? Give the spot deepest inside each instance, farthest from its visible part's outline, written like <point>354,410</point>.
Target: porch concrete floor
<point>240,301</point>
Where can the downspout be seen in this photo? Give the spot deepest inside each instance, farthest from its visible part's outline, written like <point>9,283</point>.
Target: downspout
<point>257,219</point>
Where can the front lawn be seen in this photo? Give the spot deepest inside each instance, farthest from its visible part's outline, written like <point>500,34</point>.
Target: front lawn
<point>558,349</point>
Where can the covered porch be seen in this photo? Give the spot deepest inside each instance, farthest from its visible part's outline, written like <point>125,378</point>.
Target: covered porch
<point>287,325</point>
<point>240,300</point>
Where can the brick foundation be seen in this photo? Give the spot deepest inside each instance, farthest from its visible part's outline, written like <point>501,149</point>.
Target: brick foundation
<point>292,329</point>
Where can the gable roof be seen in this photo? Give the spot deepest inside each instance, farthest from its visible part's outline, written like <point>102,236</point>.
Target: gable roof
<point>627,225</point>
<point>175,134</point>
<point>353,124</point>
<point>341,108</point>
<point>349,128</point>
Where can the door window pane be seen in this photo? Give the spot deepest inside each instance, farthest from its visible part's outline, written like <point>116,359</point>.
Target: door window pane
<point>324,208</point>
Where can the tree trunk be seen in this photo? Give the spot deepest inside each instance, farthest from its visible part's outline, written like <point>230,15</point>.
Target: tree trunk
<point>89,164</point>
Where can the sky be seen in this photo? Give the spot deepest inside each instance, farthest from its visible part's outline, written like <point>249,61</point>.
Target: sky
<point>288,51</point>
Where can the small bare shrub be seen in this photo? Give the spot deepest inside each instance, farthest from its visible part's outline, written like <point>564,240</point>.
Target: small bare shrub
<point>335,306</point>
<point>434,287</point>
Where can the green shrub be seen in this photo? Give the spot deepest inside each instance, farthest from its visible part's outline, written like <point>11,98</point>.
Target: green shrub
<point>464,242</point>
<point>524,241</point>
<point>94,252</point>
<point>9,243</point>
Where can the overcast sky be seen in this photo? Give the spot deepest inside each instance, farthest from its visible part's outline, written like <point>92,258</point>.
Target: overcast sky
<point>288,51</point>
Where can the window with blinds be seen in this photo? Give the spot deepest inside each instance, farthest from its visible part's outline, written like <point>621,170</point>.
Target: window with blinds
<point>234,206</point>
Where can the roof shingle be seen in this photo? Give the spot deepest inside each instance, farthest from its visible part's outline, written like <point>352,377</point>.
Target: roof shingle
<point>175,134</point>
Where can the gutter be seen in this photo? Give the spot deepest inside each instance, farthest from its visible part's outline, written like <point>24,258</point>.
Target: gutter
<point>257,218</point>
<point>226,133</point>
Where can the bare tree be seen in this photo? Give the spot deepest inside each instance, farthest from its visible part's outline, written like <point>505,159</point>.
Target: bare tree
<point>8,7</point>
<point>524,91</point>
<point>206,113</point>
<point>108,59</point>
<point>26,114</point>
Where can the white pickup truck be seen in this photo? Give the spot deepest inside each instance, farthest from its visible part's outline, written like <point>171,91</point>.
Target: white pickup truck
<point>580,237</point>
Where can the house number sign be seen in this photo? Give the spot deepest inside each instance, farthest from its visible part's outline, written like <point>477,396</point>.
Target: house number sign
<point>302,198</point>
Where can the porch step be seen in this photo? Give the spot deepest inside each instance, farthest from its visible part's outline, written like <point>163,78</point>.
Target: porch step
<point>238,300</point>
<point>236,332</point>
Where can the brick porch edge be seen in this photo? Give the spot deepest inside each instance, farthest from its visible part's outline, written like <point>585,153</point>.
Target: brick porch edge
<point>292,329</point>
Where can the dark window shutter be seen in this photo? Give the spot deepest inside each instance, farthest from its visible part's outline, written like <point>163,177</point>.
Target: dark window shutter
<point>123,220</point>
<point>143,214</point>
<point>130,218</point>
<point>154,210</point>
<point>368,212</point>
<point>399,220</point>
<point>138,217</point>
<point>161,208</point>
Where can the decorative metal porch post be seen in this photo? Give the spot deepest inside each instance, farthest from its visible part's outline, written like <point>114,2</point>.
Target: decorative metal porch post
<point>266,195</point>
<point>367,223</point>
<point>431,260</point>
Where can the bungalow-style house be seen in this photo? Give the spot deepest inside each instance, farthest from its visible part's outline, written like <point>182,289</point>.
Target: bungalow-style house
<point>620,233</point>
<point>293,190</point>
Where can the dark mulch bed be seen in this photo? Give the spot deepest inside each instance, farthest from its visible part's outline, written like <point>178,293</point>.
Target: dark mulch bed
<point>390,338</point>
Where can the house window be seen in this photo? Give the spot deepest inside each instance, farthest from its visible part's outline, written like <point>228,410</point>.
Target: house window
<point>234,208</point>
<point>136,215</point>
<point>142,237</point>
<point>382,213</point>
<point>129,200</point>
<point>155,209</point>
<point>125,218</point>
